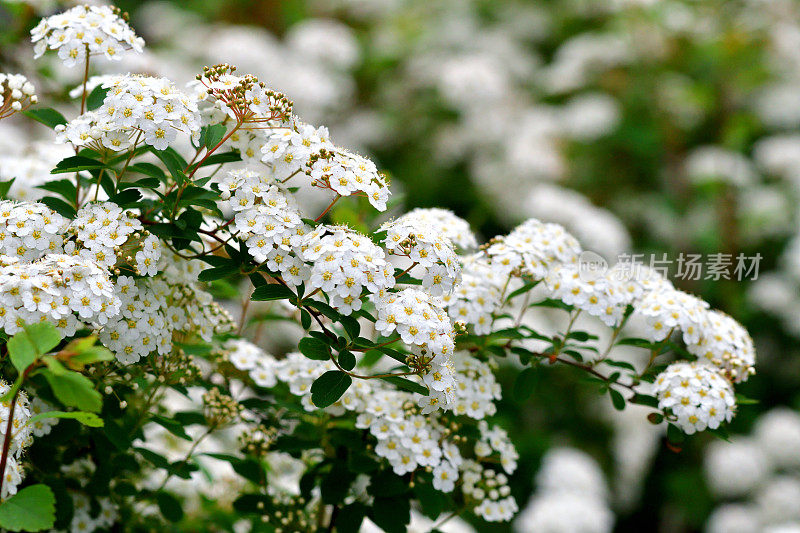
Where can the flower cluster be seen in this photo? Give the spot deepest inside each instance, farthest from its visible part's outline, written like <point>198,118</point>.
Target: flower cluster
<point>286,150</point>
<point>696,395</point>
<point>136,109</point>
<point>16,94</point>
<point>475,389</point>
<point>725,344</point>
<point>152,310</point>
<point>670,309</point>
<point>109,235</point>
<point>346,173</point>
<point>66,290</point>
<point>412,237</point>
<point>343,264</point>
<point>444,222</point>
<point>405,438</point>
<point>28,231</point>
<point>268,220</point>
<point>600,296</point>
<point>477,296</point>
<point>85,30</point>
<point>532,248</point>
<point>490,492</point>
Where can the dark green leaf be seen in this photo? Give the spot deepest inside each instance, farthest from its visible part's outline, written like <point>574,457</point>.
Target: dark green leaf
<point>347,360</point>
<point>314,349</point>
<point>59,206</point>
<point>96,97</point>
<point>329,387</point>
<point>272,291</point>
<point>406,384</point>
<point>76,163</point>
<point>47,116</point>
<point>169,506</point>
<point>5,186</point>
<point>525,384</point>
<point>617,399</point>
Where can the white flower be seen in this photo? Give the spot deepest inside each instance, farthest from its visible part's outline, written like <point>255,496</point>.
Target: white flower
<point>98,29</point>
<point>696,395</point>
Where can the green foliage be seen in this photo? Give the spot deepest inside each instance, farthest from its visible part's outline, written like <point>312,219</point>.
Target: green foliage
<point>30,509</point>
<point>329,387</point>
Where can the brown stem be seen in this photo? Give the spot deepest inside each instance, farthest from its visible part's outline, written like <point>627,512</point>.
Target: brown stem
<point>7,440</point>
<point>328,208</point>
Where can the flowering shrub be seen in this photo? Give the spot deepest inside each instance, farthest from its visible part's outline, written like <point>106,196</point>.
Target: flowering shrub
<point>117,285</point>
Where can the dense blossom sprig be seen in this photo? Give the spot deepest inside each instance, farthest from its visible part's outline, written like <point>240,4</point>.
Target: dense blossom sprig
<point>136,109</point>
<point>82,30</point>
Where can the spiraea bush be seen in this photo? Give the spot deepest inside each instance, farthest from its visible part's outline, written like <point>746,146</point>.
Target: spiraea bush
<point>131,373</point>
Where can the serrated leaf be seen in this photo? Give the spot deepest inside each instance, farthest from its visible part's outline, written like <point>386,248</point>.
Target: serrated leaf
<point>75,390</point>
<point>59,206</point>
<point>33,341</point>
<point>329,387</point>
<point>30,509</point>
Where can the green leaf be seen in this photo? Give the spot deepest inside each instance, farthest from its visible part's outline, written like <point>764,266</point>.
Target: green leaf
<point>643,399</point>
<point>347,360</point>
<point>218,159</point>
<point>47,116</point>
<point>406,384</point>
<point>329,387</point>
<point>211,135</point>
<point>59,206</point>
<point>314,349</point>
<point>525,384</point>
<point>5,186</point>
<point>149,169</point>
<point>74,390</point>
<point>174,163</point>
<point>33,341</point>
<point>87,419</point>
<point>31,509</point>
<point>617,399</point>
<point>76,163</point>
<point>211,274</point>
<point>96,97</point>
<point>169,506</point>
<point>272,291</point>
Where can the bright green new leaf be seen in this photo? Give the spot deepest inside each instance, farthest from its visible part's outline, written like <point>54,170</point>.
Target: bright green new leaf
<point>74,390</point>
<point>33,341</point>
<point>87,419</point>
<point>31,509</point>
